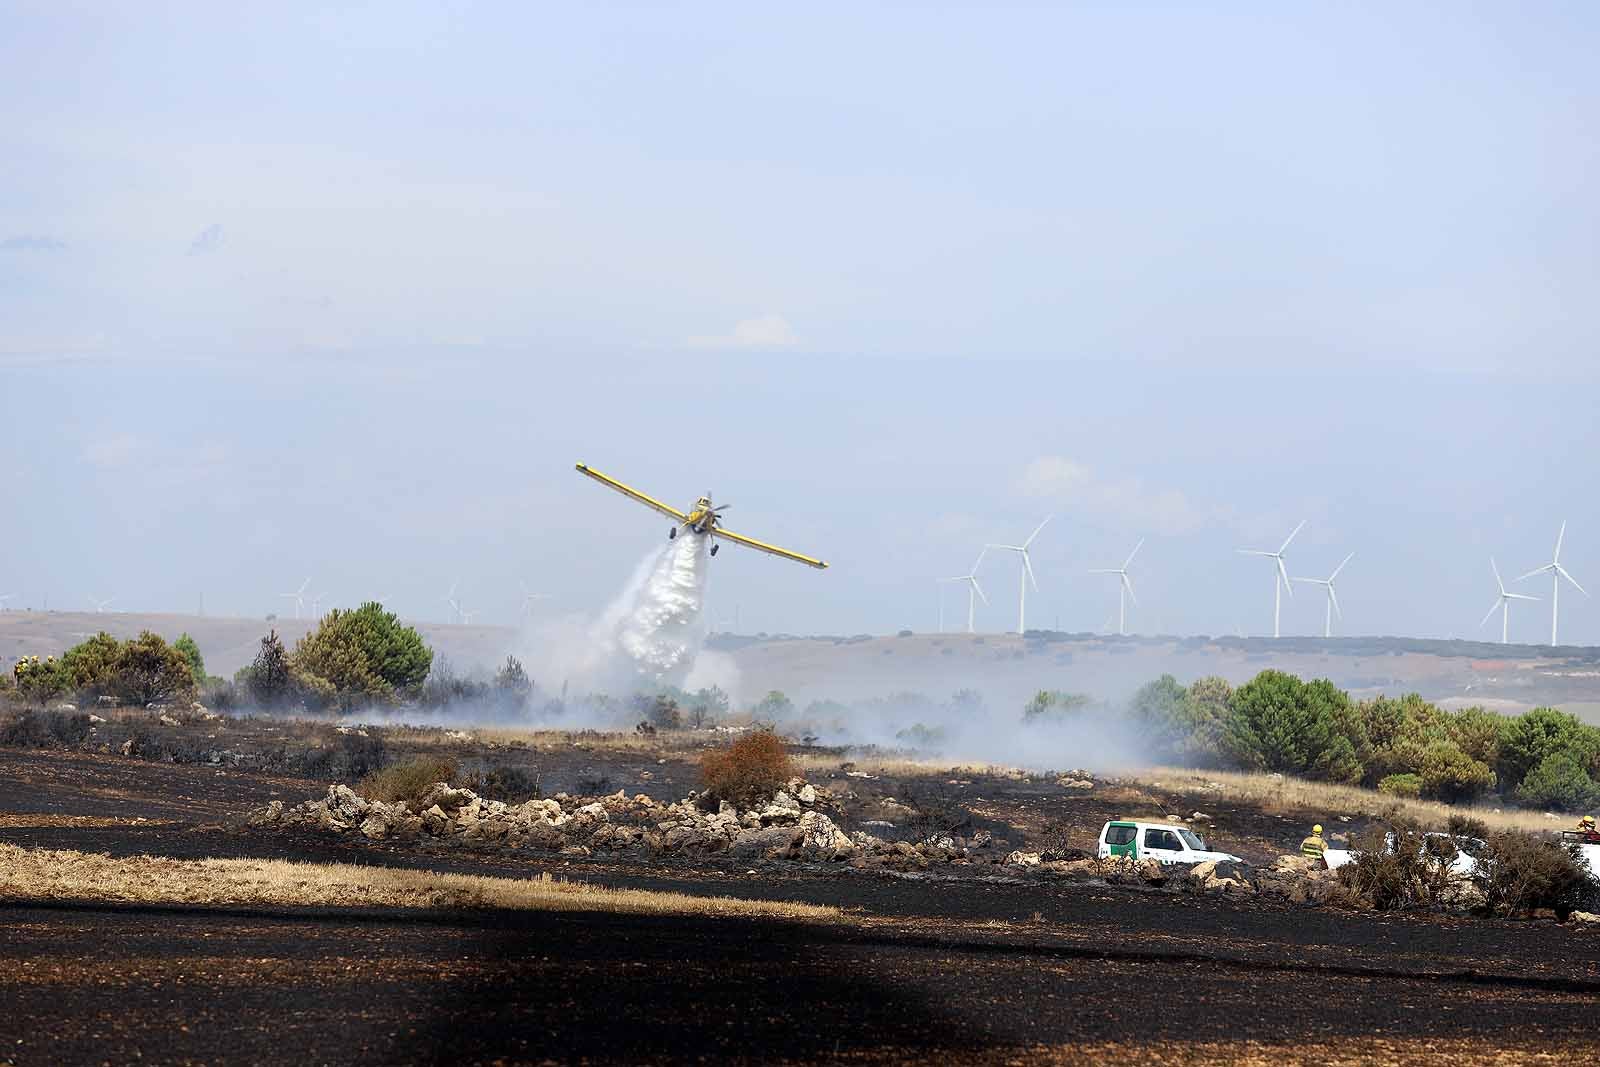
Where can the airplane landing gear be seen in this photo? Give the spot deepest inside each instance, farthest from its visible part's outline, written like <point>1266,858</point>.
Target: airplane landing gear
<point>672,533</point>
<point>714,549</point>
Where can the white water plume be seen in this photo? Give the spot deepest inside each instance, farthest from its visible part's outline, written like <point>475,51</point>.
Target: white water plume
<point>660,628</point>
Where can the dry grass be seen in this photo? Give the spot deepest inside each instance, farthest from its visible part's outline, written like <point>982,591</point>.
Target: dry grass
<point>41,874</point>
<point>1290,796</point>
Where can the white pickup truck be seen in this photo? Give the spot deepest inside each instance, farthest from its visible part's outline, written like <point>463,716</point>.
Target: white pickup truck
<point>1160,841</point>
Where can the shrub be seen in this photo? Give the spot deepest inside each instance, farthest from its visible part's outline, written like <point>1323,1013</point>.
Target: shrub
<point>1052,705</point>
<point>1559,781</point>
<point>269,680</point>
<point>44,729</point>
<point>37,680</point>
<point>1520,870</point>
<point>752,768</point>
<point>364,656</point>
<point>147,670</point>
<point>1450,775</point>
<point>1460,825</point>
<point>407,781</point>
<point>1401,785</point>
<point>511,784</point>
<point>91,665</point>
<point>1399,867</point>
<point>773,707</point>
<point>191,652</point>
<point>1535,736</point>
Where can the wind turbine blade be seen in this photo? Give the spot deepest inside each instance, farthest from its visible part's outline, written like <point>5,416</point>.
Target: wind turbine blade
<point>1563,572</point>
<point>976,562</point>
<point>1333,598</point>
<point>1536,570</point>
<point>1135,552</point>
<point>1313,581</point>
<point>1255,552</point>
<point>1562,536</point>
<point>1519,596</point>
<point>978,589</point>
<point>1283,572</point>
<point>1127,583</point>
<point>1036,530</point>
<point>1493,608</point>
<point>1292,536</point>
<point>1008,548</point>
<point>1105,570</point>
<point>1028,566</point>
<point>1495,567</point>
<point>1340,567</point>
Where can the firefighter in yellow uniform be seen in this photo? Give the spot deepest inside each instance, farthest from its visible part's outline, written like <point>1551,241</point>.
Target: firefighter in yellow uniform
<point>1314,846</point>
<point>1587,830</point>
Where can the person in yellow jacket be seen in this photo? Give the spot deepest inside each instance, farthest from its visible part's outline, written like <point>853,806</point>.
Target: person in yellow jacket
<point>1314,845</point>
<point>1587,830</point>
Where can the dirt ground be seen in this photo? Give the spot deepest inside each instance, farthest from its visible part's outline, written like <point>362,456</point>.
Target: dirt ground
<point>950,970</point>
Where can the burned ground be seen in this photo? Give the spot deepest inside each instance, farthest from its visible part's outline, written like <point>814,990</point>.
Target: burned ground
<point>969,969</point>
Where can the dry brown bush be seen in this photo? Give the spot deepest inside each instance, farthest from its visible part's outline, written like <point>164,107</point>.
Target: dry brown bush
<point>752,768</point>
<point>407,781</point>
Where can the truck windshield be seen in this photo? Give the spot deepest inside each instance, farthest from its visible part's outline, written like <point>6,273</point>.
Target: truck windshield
<point>1192,839</point>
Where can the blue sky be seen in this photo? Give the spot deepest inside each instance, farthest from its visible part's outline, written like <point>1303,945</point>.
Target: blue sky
<point>345,294</point>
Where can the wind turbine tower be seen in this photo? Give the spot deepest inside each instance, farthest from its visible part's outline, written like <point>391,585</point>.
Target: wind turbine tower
<point>1333,598</point>
<point>1027,574</point>
<point>1503,603</point>
<point>100,606</point>
<point>299,597</point>
<point>1124,588</point>
<point>974,591</point>
<point>1556,572</point>
<point>1280,577</point>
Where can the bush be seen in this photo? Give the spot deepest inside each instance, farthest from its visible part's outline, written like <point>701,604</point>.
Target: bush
<point>1399,867</point>
<point>37,680</point>
<point>510,784</point>
<point>363,656</point>
<point>191,652</point>
<point>407,781</point>
<point>1520,870</point>
<point>752,768</point>
<point>1051,705</point>
<point>91,666</point>
<point>1560,782</point>
<point>1401,785</point>
<point>1450,775</point>
<point>147,670</point>
<point>44,729</point>
<point>269,680</point>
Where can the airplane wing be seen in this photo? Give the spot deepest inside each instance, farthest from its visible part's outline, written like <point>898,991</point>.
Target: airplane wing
<point>629,491</point>
<point>762,546</point>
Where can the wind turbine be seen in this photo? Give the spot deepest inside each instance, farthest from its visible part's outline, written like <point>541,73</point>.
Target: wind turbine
<point>100,606</point>
<point>455,605</point>
<point>1280,579</point>
<point>1124,588</point>
<point>974,591</point>
<point>3,598</point>
<point>1027,574</point>
<point>528,598</point>
<point>1556,572</point>
<point>1333,598</point>
<point>1503,602</point>
<point>299,597</point>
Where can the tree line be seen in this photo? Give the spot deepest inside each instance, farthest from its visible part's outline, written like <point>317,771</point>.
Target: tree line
<point>1404,746</point>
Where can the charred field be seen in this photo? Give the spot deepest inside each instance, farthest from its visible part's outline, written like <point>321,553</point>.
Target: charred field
<point>972,965</point>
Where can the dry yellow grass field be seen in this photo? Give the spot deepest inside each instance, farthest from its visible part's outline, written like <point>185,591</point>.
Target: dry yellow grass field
<point>42,874</point>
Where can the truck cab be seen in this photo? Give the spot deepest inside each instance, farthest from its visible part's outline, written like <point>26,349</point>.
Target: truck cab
<point>1159,841</point>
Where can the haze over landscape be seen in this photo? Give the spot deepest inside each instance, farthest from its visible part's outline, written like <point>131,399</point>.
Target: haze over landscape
<point>343,295</point>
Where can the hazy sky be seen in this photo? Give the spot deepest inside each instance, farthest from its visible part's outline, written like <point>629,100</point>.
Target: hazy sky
<point>344,294</point>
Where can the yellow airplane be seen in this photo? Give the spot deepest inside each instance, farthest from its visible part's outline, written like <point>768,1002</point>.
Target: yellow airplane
<point>701,519</point>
